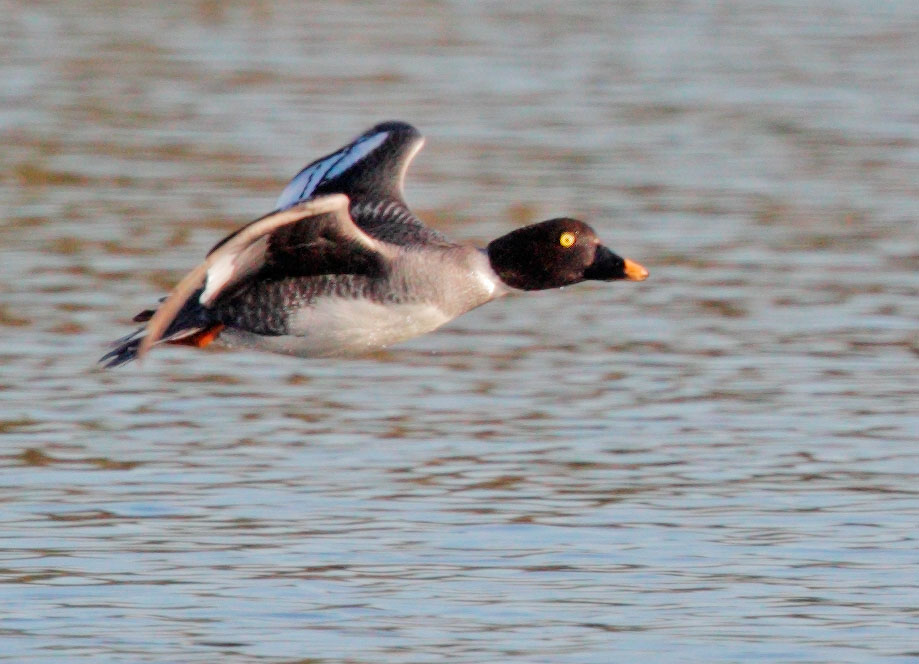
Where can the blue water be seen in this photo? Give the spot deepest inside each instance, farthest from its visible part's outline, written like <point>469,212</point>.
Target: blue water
<point>715,465</point>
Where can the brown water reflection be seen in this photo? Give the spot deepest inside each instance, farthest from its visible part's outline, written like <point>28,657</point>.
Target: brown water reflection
<point>714,465</point>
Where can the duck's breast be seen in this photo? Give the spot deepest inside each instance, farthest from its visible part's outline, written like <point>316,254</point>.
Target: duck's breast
<point>351,315</point>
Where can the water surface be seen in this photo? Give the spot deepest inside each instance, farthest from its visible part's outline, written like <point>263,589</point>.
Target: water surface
<point>714,465</point>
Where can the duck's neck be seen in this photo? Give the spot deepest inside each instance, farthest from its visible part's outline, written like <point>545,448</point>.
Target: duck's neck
<point>513,266</point>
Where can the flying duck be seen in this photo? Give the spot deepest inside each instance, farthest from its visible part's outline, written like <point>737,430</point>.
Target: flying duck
<point>343,267</point>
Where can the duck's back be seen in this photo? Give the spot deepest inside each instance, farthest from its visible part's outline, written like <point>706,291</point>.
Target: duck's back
<point>391,221</point>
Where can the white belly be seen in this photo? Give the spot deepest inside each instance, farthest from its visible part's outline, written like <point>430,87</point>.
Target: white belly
<point>341,326</point>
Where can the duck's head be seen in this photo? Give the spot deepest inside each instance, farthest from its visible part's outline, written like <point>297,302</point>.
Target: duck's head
<point>555,253</point>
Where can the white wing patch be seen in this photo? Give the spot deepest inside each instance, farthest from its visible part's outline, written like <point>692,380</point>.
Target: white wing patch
<point>231,268</point>
<point>306,181</point>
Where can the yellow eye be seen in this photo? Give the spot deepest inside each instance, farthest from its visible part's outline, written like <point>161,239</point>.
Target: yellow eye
<point>567,239</point>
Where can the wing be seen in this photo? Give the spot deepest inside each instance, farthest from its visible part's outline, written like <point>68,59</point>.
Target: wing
<point>373,164</point>
<point>310,238</point>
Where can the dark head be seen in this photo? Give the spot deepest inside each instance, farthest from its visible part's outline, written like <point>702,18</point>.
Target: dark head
<point>556,253</point>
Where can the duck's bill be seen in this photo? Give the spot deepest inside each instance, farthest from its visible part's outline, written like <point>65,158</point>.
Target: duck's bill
<point>607,266</point>
<point>634,271</point>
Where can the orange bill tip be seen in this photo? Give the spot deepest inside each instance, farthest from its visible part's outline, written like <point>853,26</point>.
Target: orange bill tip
<point>635,271</point>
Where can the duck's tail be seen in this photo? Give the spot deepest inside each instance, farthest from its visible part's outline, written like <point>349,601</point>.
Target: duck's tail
<point>123,350</point>
<point>194,326</point>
